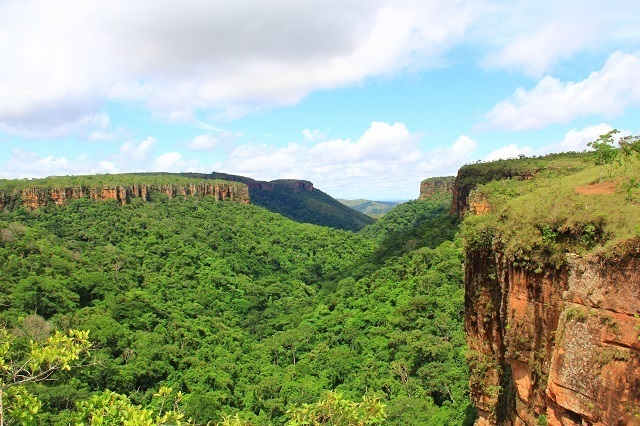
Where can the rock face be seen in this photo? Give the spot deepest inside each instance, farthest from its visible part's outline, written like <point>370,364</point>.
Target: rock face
<point>559,346</point>
<point>38,197</point>
<point>430,187</point>
<point>469,177</point>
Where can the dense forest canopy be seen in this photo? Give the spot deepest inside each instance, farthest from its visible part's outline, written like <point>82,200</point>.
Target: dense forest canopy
<point>241,310</point>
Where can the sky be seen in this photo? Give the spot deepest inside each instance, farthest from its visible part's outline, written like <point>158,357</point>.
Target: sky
<point>365,98</point>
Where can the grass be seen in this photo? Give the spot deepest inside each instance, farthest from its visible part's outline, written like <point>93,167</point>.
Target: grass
<point>539,220</point>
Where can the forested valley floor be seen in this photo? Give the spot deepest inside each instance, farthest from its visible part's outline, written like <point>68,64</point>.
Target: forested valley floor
<point>242,310</point>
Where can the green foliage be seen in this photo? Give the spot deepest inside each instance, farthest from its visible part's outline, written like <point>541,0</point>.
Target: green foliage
<point>297,200</point>
<point>375,209</point>
<point>245,312</point>
<point>21,366</point>
<point>105,180</point>
<point>536,221</point>
<point>605,149</point>
<point>412,225</point>
<point>112,409</point>
<point>333,409</point>
<point>308,206</point>
<point>576,314</point>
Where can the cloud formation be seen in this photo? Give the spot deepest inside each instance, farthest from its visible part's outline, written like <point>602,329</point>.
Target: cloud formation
<point>574,140</point>
<point>606,92</point>
<point>192,55</point>
<point>386,162</point>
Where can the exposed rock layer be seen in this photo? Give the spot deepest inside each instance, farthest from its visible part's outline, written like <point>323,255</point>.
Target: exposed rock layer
<point>38,197</point>
<point>556,344</point>
<point>430,187</point>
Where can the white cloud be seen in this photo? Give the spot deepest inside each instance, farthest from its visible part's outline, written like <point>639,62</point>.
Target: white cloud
<point>604,93</point>
<point>138,151</point>
<point>204,142</point>
<point>386,162</point>
<point>28,164</point>
<point>173,162</point>
<point>314,135</point>
<point>215,138</point>
<point>534,36</point>
<point>509,151</point>
<point>230,58</point>
<point>225,57</point>
<point>577,140</point>
<point>574,140</point>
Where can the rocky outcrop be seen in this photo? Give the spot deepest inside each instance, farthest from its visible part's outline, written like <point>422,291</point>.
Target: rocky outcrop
<point>436,185</point>
<point>470,176</point>
<point>36,197</point>
<point>558,345</point>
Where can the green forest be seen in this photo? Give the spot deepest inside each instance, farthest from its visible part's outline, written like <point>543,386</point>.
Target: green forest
<point>230,314</point>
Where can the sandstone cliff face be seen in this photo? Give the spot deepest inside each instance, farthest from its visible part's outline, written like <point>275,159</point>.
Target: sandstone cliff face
<point>559,346</point>
<point>38,197</point>
<point>430,187</point>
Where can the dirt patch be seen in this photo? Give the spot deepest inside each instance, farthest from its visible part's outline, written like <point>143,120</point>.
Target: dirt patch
<point>597,188</point>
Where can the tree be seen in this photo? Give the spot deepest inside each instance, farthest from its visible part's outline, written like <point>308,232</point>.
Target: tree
<point>17,369</point>
<point>606,153</point>
<point>111,408</point>
<point>334,410</point>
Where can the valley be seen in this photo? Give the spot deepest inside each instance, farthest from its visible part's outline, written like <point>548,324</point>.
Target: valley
<point>466,305</point>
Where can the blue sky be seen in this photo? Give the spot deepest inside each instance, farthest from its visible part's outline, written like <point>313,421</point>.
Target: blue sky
<point>365,98</point>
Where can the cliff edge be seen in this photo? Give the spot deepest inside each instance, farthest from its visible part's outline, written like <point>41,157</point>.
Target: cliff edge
<point>38,193</point>
<point>552,295</point>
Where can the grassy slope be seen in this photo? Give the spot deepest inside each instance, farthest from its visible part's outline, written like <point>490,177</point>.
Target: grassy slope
<point>541,219</point>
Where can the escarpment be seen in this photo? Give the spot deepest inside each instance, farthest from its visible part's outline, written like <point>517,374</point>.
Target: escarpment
<point>36,197</point>
<point>430,187</point>
<point>469,177</point>
<point>552,301</point>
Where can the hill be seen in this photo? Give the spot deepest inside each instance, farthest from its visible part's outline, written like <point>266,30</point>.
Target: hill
<point>298,200</point>
<point>375,209</point>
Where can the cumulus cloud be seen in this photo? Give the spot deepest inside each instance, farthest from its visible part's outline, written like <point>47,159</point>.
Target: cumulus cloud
<point>138,151</point>
<point>28,164</point>
<point>228,58</point>
<point>577,140</point>
<point>214,139</point>
<point>604,93</point>
<point>509,151</point>
<point>204,142</point>
<point>231,58</point>
<point>173,162</point>
<point>574,140</point>
<point>386,162</point>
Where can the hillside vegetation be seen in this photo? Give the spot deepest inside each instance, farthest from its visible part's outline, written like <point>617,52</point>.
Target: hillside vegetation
<point>575,202</point>
<point>243,311</point>
<point>375,209</point>
<point>285,196</point>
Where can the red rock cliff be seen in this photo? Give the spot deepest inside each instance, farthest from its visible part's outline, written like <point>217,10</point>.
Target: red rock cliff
<point>559,346</point>
<point>430,187</point>
<point>38,197</point>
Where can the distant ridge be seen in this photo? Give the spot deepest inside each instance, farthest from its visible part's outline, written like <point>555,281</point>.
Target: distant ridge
<point>375,209</point>
<point>296,199</point>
